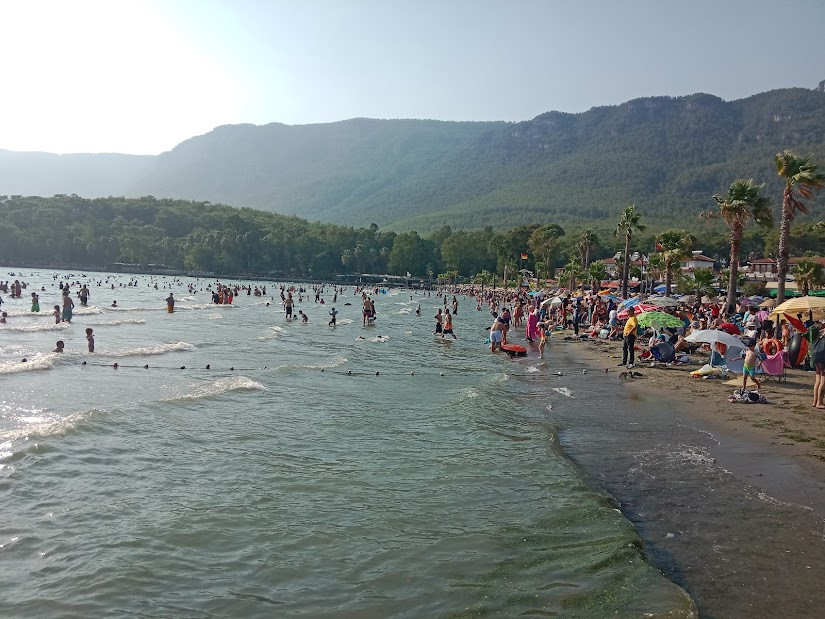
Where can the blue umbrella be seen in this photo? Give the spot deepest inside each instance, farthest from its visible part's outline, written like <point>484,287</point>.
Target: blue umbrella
<point>660,288</point>
<point>630,302</point>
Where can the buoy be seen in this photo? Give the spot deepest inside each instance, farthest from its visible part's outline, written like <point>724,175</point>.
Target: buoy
<point>322,369</point>
<point>559,374</point>
<point>183,367</point>
<point>441,374</point>
<point>208,366</point>
<point>584,371</point>
<point>377,373</point>
<point>146,367</point>
<point>605,370</point>
<point>412,373</point>
<point>349,372</point>
<point>232,369</point>
<point>84,363</point>
<point>24,360</point>
<point>114,365</point>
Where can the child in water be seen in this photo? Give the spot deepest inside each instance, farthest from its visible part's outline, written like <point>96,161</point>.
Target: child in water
<point>59,346</point>
<point>90,339</point>
<point>333,312</point>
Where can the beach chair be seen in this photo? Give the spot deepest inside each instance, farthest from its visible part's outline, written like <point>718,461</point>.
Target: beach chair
<point>773,367</point>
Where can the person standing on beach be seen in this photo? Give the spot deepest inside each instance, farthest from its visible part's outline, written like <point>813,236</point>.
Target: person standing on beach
<point>629,343</point>
<point>818,359</point>
<point>752,363</point>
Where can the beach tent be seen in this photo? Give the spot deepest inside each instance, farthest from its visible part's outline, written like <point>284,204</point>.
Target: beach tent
<point>640,308</point>
<point>733,351</point>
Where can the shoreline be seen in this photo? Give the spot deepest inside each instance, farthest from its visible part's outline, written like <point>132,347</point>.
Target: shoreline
<point>727,505</point>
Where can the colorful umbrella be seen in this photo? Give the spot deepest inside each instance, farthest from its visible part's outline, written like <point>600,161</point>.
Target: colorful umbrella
<point>639,309</point>
<point>730,328</point>
<point>797,324</point>
<point>800,305</point>
<point>659,320</point>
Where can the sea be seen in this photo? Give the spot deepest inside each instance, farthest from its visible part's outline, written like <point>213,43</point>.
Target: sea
<point>222,461</point>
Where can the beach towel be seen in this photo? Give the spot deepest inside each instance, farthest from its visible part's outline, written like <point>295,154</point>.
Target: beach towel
<point>745,396</point>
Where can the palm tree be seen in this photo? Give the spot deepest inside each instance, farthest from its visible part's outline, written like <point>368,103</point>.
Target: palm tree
<point>587,241</point>
<point>674,246</point>
<point>801,178</point>
<point>809,274</point>
<point>700,282</point>
<point>742,202</point>
<point>596,273</point>
<point>628,224</point>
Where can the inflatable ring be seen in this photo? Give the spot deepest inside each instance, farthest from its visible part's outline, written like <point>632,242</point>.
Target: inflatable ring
<point>771,347</point>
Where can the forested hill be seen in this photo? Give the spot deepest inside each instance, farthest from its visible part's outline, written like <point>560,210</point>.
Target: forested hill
<point>665,154</point>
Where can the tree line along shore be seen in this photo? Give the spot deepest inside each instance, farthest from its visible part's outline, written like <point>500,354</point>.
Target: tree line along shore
<point>201,237</point>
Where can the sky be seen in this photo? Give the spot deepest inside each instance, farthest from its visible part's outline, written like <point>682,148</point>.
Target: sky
<point>140,76</point>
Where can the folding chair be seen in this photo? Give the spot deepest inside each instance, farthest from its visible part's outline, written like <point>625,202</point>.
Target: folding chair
<point>773,367</point>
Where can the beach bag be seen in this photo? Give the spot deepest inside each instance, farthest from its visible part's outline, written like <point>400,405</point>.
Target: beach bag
<point>818,350</point>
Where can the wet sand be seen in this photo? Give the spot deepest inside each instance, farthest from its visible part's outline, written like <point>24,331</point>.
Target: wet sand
<point>728,498</point>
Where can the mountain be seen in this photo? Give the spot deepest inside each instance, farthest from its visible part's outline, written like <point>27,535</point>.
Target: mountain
<point>666,154</point>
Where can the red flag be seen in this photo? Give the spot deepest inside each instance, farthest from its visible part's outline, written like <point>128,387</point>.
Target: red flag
<point>523,256</point>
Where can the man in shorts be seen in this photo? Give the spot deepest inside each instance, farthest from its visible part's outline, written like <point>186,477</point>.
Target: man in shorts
<point>497,331</point>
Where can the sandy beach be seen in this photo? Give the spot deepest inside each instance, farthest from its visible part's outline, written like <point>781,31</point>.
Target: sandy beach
<point>729,498</point>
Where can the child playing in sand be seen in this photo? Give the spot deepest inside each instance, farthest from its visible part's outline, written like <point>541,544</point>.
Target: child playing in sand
<point>752,362</point>
<point>90,338</point>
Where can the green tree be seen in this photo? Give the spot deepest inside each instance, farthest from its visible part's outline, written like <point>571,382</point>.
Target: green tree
<point>410,253</point>
<point>543,243</point>
<point>596,273</point>
<point>809,276</point>
<point>628,225</point>
<point>801,180</point>
<point>674,246</point>
<point>587,241</point>
<point>742,203</point>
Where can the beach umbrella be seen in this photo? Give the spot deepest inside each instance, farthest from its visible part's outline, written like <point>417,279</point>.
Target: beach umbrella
<point>660,288</point>
<point>609,297</point>
<point>712,336</point>
<point>639,308</point>
<point>630,302</point>
<point>664,301</point>
<point>659,320</point>
<point>688,299</point>
<point>768,303</point>
<point>800,305</point>
<point>554,302</point>
<point>797,324</point>
<point>730,328</point>
<point>706,299</point>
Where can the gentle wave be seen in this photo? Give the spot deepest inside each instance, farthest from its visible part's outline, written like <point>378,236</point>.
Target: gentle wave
<point>337,362</point>
<point>38,362</point>
<point>35,328</point>
<point>219,387</point>
<point>274,333</point>
<point>86,311</point>
<point>564,391</point>
<point>380,338</point>
<point>160,349</point>
<point>44,426</point>
<point>114,323</point>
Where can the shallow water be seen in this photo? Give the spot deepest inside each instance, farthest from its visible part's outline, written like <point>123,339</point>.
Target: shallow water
<point>437,487</point>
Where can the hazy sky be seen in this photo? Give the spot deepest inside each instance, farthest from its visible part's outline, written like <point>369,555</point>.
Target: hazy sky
<point>140,76</point>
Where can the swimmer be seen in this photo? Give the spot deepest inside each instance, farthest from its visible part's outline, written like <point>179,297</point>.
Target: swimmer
<point>59,346</point>
<point>418,310</point>
<point>90,339</point>
<point>304,317</point>
<point>333,312</point>
<point>114,303</point>
<point>3,318</point>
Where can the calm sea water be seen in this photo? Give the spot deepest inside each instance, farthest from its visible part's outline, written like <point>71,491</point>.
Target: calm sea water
<point>285,486</point>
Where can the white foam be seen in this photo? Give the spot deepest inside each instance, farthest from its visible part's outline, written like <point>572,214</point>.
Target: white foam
<point>344,321</point>
<point>531,369</point>
<point>218,387</point>
<point>115,323</point>
<point>564,391</point>
<point>380,338</point>
<point>274,333</point>
<point>38,362</point>
<point>86,311</point>
<point>215,316</point>
<point>549,408</point>
<point>334,363</point>
<point>160,349</point>
<point>34,328</point>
